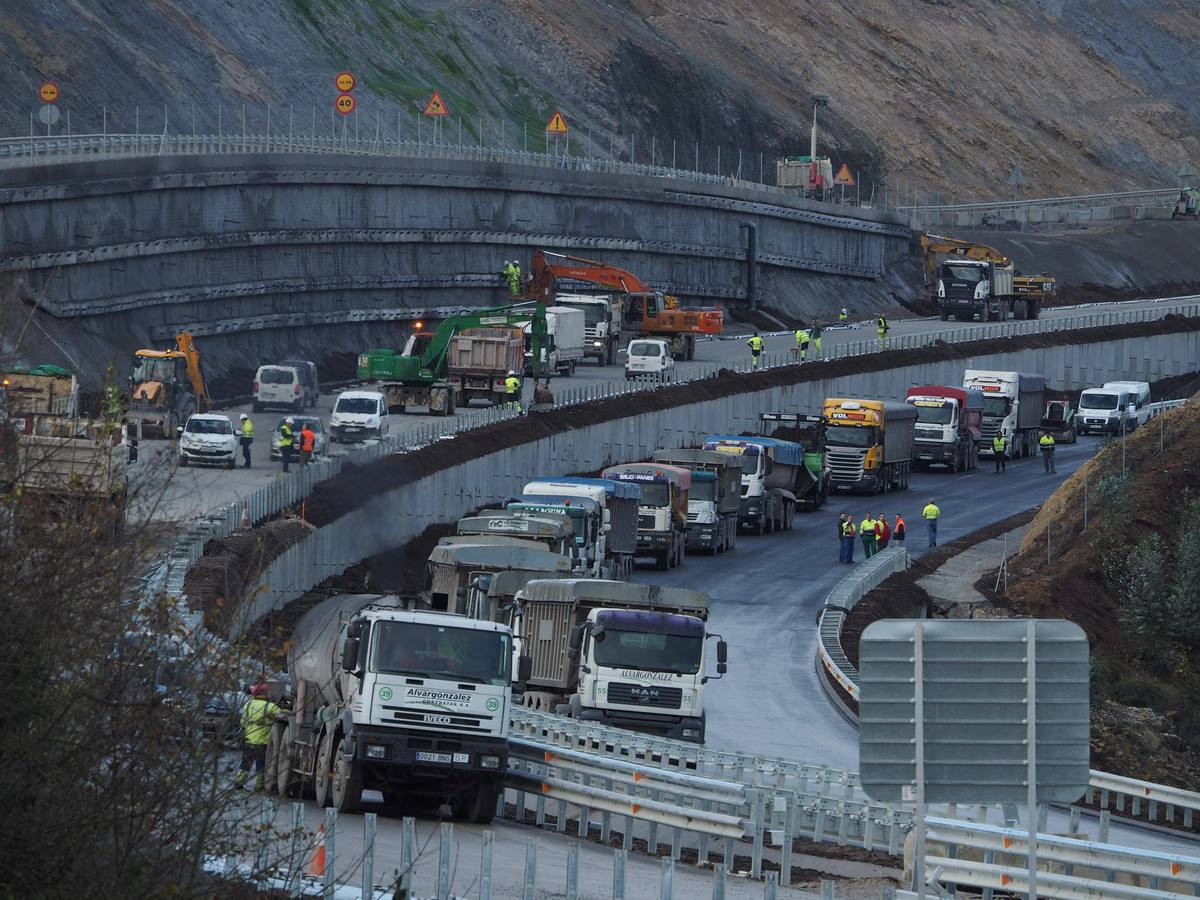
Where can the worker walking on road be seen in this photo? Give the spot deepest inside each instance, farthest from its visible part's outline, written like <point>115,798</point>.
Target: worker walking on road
<point>846,530</point>
<point>900,530</point>
<point>756,347</point>
<point>245,438</point>
<point>1000,452</point>
<point>308,443</point>
<point>287,441</point>
<point>866,531</point>
<point>1047,445</point>
<point>258,718</point>
<point>931,514</point>
<point>512,387</point>
<point>802,339</point>
<point>881,329</point>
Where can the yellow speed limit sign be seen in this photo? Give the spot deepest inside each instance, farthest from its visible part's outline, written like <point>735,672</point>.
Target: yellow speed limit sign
<point>48,92</point>
<point>345,81</point>
<point>345,104</point>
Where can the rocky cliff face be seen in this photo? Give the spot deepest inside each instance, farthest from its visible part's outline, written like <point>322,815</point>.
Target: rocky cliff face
<point>940,97</point>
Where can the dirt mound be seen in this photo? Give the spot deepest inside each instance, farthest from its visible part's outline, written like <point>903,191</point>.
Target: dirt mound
<point>1141,743</point>
<point>356,484</point>
<point>217,583</point>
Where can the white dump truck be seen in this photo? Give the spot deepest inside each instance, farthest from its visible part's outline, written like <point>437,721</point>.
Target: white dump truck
<point>412,704</point>
<point>1012,406</point>
<point>627,655</point>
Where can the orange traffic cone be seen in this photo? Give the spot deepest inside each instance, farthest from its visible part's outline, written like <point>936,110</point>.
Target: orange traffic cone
<point>316,863</point>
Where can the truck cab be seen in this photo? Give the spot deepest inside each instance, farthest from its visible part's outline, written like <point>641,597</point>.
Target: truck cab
<point>636,655</point>
<point>871,444</point>
<point>617,502</point>
<point>770,470</point>
<point>966,288</point>
<point>662,508</point>
<point>1013,403</point>
<point>949,425</point>
<point>601,325</point>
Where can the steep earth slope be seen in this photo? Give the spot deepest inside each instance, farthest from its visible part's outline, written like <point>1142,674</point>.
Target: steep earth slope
<point>943,97</point>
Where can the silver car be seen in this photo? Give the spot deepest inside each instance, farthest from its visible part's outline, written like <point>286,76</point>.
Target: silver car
<point>320,446</point>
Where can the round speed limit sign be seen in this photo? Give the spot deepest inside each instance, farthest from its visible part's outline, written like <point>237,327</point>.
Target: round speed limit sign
<point>345,104</point>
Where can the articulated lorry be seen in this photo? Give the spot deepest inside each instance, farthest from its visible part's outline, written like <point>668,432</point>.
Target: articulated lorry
<point>871,444</point>
<point>662,509</point>
<point>412,704</point>
<point>604,514</point>
<point>714,498</point>
<point>627,655</point>
<point>949,425</point>
<point>812,483</point>
<point>771,473</point>
<point>1012,406</point>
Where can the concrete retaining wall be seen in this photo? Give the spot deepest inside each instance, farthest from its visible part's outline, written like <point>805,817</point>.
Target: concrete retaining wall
<point>394,518</point>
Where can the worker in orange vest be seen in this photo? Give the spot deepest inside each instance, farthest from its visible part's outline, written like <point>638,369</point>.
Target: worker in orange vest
<point>308,443</point>
<point>899,531</point>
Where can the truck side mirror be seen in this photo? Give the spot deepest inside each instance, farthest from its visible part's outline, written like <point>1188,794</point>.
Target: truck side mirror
<point>574,641</point>
<point>524,668</point>
<point>350,655</point>
<point>722,657</point>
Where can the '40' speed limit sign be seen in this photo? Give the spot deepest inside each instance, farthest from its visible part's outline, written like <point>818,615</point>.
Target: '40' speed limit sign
<point>345,104</point>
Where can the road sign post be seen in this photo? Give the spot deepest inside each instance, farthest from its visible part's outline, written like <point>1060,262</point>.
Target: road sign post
<point>949,712</point>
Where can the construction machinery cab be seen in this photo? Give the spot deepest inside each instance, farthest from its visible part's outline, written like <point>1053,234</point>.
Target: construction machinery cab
<point>418,343</point>
<point>167,386</point>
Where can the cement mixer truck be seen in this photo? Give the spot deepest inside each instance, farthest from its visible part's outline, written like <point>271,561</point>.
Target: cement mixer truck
<point>412,704</point>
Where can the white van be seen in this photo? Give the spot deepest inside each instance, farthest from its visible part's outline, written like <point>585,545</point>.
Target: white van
<point>648,356</point>
<point>358,416</point>
<point>278,386</point>
<point>1139,409</point>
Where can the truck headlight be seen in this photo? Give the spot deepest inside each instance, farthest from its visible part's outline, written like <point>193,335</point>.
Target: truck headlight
<point>376,751</point>
<point>597,343</point>
<point>489,762</point>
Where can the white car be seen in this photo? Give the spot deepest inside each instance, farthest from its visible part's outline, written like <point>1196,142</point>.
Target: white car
<point>358,416</point>
<point>208,438</point>
<point>648,356</point>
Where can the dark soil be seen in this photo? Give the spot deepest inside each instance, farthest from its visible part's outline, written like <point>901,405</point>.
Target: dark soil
<point>899,595</point>
<point>338,496</point>
<point>217,583</point>
<point>1089,292</point>
<point>402,570</point>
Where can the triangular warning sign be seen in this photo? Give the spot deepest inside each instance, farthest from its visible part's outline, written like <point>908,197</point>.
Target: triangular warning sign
<point>843,176</point>
<point>436,105</point>
<point>557,124</point>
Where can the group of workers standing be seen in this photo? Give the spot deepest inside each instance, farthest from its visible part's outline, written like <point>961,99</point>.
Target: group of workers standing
<point>1046,444</point>
<point>809,338</point>
<point>876,534</point>
<point>291,441</point>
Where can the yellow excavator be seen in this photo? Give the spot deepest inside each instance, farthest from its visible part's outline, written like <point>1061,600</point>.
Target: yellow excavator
<point>965,279</point>
<point>165,387</point>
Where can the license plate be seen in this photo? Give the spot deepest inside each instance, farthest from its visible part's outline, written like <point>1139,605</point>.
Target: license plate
<point>425,756</point>
<point>437,720</point>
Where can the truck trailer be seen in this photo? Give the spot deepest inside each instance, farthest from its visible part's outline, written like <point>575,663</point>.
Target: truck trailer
<point>714,499</point>
<point>949,425</point>
<point>479,360</point>
<point>627,655</point>
<point>870,444</point>
<point>1012,406</point>
<point>812,485</point>
<point>770,476</point>
<point>662,508</point>
<point>604,514</point>
<point>412,704</point>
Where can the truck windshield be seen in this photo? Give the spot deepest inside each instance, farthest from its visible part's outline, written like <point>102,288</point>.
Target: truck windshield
<point>850,435</point>
<point>593,313</point>
<point>963,273</point>
<point>655,494</point>
<point>935,415</point>
<point>438,651</point>
<point>703,489</point>
<point>996,406</point>
<point>650,652</point>
<point>1098,401</point>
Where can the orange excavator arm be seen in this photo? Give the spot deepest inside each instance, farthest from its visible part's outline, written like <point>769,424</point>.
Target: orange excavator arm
<point>191,356</point>
<point>548,268</point>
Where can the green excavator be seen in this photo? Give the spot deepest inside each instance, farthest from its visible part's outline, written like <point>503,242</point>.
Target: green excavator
<point>467,357</point>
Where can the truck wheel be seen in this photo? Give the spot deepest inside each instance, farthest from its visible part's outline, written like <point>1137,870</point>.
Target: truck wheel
<point>945,315</point>
<point>287,783</point>
<point>347,781</point>
<point>322,781</point>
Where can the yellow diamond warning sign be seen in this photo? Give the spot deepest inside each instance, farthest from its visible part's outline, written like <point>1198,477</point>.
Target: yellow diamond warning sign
<point>436,105</point>
<point>557,124</point>
<point>843,176</point>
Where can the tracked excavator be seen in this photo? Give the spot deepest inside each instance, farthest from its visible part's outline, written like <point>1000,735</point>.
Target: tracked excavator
<point>966,279</point>
<point>165,387</point>
<point>633,311</point>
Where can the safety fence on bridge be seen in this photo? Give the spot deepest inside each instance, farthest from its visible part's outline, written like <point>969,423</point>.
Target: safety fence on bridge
<point>1077,209</point>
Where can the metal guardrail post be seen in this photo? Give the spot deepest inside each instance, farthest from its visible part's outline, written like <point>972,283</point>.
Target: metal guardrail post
<point>573,870</point>
<point>529,888</point>
<point>668,879</point>
<point>485,865</point>
<point>447,841</point>
<point>330,885</point>
<point>408,859</point>
<point>368,863</point>
<point>620,859</point>
<point>296,860</point>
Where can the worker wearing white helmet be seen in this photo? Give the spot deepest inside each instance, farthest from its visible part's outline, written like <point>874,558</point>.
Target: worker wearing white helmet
<point>512,387</point>
<point>245,438</point>
<point>287,441</point>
